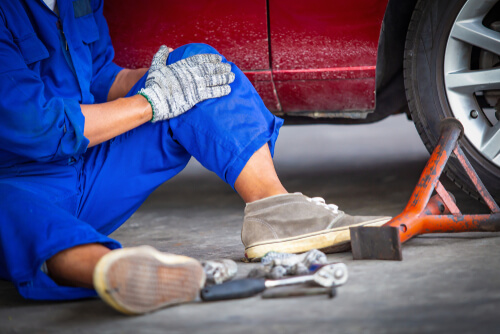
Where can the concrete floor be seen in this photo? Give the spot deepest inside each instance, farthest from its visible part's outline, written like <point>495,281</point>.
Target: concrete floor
<point>445,284</point>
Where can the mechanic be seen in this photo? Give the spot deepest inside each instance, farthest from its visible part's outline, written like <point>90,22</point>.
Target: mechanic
<point>83,142</point>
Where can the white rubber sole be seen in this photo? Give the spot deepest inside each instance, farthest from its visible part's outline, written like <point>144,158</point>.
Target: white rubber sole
<point>141,279</point>
<point>335,239</point>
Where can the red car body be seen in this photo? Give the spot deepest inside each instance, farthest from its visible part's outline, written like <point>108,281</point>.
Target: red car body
<point>344,62</point>
<point>317,57</point>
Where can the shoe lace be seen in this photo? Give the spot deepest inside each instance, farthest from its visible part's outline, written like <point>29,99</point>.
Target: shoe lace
<point>321,202</point>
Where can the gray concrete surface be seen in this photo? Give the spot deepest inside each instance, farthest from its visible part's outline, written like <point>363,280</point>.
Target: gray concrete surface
<point>445,284</point>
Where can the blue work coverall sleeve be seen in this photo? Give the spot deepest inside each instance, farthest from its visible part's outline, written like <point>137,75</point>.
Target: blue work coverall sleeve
<point>32,126</point>
<point>104,71</point>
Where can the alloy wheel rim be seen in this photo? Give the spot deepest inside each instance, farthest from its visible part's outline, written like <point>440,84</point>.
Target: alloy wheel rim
<point>464,85</point>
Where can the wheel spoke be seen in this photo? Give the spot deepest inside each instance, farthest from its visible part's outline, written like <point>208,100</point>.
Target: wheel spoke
<point>491,143</point>
<point>475,33</point>
<point>462,82</point>
<point>473,81</point>
<point>476,9</point>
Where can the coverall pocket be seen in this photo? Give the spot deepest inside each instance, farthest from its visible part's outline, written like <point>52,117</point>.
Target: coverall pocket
<point>88,28</point>
<point>31,48</point>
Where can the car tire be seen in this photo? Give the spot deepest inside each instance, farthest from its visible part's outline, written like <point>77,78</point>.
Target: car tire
<point>439,63</point>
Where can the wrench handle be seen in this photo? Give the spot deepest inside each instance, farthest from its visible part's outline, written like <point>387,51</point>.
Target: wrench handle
<point>289,281</point>
<point>240,288</point>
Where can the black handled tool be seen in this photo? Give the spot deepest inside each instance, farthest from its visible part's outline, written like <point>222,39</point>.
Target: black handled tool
<point>326,276</point>
<point>288,292</point>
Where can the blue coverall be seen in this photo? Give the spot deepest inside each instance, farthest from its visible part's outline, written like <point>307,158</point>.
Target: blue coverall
<point>57,193</point>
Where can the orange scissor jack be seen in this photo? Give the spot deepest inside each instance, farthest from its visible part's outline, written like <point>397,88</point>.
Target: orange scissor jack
<point>424,214</point>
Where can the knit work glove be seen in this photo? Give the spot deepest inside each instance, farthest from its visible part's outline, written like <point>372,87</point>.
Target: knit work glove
<point>174,89</point>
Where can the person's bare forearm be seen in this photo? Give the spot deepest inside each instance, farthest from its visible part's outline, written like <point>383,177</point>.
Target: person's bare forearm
<point>119,115</point>
<point>108,120</point>
<point>124,81</point>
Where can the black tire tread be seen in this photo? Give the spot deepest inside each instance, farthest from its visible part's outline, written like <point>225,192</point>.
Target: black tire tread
<point>419,122</point>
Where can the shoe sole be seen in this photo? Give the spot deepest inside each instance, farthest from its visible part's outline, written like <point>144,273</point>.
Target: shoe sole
<point>140,280</point>
<point>329,241</point>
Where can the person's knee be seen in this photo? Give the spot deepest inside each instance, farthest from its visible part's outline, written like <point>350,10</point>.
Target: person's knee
<point>198,48</point>
<point>190,50</point>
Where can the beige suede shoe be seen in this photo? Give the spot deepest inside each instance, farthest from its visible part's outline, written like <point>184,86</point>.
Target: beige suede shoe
<point>294,223</point>
<point>141,279</point>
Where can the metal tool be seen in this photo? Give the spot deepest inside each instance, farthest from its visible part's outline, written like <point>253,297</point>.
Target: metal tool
<point>421,215</point>
<point>329,275</point>
<point>299,292</point>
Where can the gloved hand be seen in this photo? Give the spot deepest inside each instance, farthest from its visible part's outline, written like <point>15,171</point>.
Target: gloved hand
<point>174,89</point>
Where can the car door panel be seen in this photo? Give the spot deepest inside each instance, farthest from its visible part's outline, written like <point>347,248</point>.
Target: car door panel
<point>324,54</point>
<point>237,29</point>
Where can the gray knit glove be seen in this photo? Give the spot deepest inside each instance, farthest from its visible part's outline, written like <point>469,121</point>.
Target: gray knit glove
<point>174,89</point>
